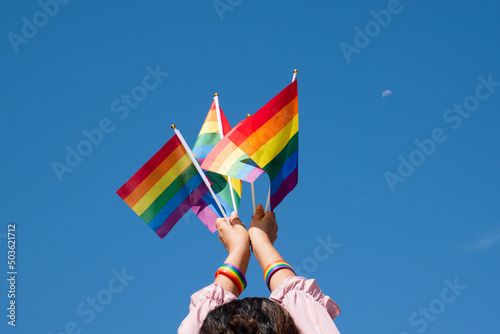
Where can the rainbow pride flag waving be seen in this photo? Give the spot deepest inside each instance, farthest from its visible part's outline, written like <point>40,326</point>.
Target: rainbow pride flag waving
<point>165,188</point>
<point>269,138</point>
<point>209,136</point>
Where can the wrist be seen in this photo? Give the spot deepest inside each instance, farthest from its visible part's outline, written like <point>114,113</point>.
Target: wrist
<point>239,257</point>
<point>257,236</point>
<point>265,253</point>
<point>240,251</point>
<point>261,245</point>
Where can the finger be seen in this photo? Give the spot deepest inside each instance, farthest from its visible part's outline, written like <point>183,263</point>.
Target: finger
<point>219,222</point>
<point>271,213</point>
<point>235,219</point>
<point>259,212</point>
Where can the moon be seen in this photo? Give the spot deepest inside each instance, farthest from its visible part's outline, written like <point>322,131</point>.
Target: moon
<point>386,93</point>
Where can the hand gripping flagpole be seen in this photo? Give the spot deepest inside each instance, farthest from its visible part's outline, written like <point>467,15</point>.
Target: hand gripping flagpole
<point>269,193</point>
<point>200,171</point>
<point>221,132</point>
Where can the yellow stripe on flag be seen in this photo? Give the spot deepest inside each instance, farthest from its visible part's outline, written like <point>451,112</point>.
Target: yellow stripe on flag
<point>209,127</point>
<point>153,177</point>
<point>274,146</point>
<point>161,185</point>
<point>268,130</point>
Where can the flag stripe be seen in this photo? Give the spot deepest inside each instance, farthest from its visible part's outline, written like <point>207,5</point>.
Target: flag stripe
<point>177,200</point>
<point>180,210</point>
<point>151,165</point>
<point>206,211</point>
<point>220,185</point>
<point>172,162</point>
<point>206,139</point>
<point>274,166</point>
<point>246,169</point>
<point>263,155</point>
<point>210,127</point>
<point>288,167</point>
<point>231,160</point>
<point>225,196</point>
<point>160,186</point>
<point>267,112</point>
<point>287,186</point>
<point>227,149</point>
<point>261,138</point>
<point>168,193</point>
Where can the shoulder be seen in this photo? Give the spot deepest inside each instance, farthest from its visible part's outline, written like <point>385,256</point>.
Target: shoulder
<point>311,309</point>
<point>202,302</point>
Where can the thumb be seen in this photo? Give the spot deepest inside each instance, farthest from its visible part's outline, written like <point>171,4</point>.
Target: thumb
<point>235,219</point>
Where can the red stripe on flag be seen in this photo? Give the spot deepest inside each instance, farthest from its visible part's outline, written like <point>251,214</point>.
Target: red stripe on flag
<point>225,124</point>
<point>264,114</point>
<point>148,167</point>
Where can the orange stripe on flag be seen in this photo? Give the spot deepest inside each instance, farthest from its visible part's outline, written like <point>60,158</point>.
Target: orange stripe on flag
<point>162,184</point>
<point>272,127</point>
<point>154,176</point>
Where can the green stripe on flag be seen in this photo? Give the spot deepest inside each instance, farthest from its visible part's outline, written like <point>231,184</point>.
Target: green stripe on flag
<point>207,139</point>
<point>274,166</point>
<point>168,193</point>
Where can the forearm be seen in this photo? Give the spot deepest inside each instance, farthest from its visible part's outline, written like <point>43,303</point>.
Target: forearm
<point>265,253</point>
<point>239,259</point>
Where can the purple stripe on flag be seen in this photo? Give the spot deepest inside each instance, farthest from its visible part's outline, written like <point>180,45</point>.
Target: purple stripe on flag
<point>287,186</point>
<point>253,175</point>
<point>184,207</point>
<point>206,214</point>
<point>288,167</point>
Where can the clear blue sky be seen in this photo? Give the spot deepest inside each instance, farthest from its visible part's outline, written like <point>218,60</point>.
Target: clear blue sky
<point>395,246</point>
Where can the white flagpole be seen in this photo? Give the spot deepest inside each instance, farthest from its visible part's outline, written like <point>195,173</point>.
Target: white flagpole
<point>253,196</point>
<point>269,193</point>
<point>268,199</point>
<point>200,171</point>
<point>253,188</point>
<point>221,132</point>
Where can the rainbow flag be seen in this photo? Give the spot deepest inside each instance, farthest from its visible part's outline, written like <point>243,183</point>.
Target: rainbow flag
<point>208,137</point>
<point>241,166</point>
<point>165,188</point>
<point>270,139</point>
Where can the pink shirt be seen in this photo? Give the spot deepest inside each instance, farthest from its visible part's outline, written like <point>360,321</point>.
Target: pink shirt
<point>310,309</point>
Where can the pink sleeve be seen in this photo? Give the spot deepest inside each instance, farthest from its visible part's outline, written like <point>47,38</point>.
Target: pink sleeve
<point>202,302</point>
<point>311,310</point>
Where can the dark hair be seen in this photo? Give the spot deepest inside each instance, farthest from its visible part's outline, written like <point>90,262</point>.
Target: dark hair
<point>249,316</point>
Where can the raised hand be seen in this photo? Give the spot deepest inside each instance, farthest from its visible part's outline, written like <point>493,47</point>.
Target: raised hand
<point>263,227</point>
<point>233,236</point>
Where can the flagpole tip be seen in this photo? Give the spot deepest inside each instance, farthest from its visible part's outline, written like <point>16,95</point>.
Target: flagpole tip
<point>295,71</point>
<point>216,94</point>
<point>173,126</point>
<point>248,115</point>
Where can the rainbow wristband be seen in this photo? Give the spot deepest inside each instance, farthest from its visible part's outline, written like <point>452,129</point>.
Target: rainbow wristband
<point>274,267</point>
<point>234,274</point>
